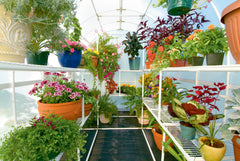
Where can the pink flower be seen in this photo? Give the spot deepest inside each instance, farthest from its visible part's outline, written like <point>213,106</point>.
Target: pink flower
<point>68,42</point>
<point>65,79</point>
<point>107,57</point>
<point>79,87</point>
<point>72,50</point>
<point>75,43</point>
<point>63,46</point>
<point>72,95</point>
<point>69,90</point>
<point>36,84</point>
<point>44,82</point>
<point>101,60</point>
<point>56,74</point>
<point>33,91</point>
<point>57,94</point>
<point>47,94</point>
<point>47,73</point>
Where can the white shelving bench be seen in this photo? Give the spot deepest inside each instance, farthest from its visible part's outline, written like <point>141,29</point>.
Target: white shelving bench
<point>188,148</point>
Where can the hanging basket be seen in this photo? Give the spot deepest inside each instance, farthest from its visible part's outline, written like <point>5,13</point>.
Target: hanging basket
<point>179,7</point>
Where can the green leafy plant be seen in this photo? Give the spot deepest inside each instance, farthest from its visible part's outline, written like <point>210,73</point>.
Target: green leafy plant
<point>56,88</point>
<point>43,139</point>
<point>212,40</point>
<point>107,106</point>
<point>228,130</point>
<point>132,44</point>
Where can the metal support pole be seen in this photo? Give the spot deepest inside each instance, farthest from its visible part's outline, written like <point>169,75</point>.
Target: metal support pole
<point>14,98</point>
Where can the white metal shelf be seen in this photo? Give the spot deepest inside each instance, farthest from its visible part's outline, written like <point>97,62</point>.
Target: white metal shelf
<point>215,68</point>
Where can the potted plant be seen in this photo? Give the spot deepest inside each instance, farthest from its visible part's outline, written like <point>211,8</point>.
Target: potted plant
<point>230,17</point>
<point>157,132</point>
<point>212,149</point>
<point>195,58</point>
<point>134,103</point>
<point>43,19</point>
<point>132,46</point>
<point>212,42</point>
<point>230,130</point>
<point>59,95</point>
<point>108,60</point>
<point>198,111</point>
<point>43,138</point>
<point>107,108</point>
<point>90,59</point>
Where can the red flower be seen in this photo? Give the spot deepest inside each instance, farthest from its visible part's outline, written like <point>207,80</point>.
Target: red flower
<point>160,48</point>
<point>198,92</point>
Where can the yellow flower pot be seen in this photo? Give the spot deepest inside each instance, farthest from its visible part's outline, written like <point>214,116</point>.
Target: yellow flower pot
<point>210,153</point>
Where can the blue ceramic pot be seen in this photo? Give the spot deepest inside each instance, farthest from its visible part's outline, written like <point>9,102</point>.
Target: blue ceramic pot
<point>68,59</point>
<point>188,132</point>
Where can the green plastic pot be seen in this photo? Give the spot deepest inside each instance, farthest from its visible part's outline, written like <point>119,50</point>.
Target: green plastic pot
<point>197,61</point>
<point>38,58</point>
<point>179,7</point>
<point>215,58</point>
<point>134,64</point>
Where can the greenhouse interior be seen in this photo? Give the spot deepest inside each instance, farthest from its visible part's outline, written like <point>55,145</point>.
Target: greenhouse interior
<point>120,80</point>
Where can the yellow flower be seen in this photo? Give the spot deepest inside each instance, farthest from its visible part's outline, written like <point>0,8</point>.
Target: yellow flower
<point>96,52</point>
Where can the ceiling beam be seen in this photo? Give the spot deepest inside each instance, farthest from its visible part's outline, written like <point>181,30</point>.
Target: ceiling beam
<point>97,15</point>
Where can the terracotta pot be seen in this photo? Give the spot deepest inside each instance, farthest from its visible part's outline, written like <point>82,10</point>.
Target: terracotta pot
<point>231,19</point>
<point>148,64</point>
<point>67,110</point>
<point>236,147</point>
<point>178,63</point>
<point>95,61</point>
<point>158,138</point>
<point>145,119</point>
<point>103,119</point>
<point>13,38</point>
<point>87,109</point>
<point>210,153</point>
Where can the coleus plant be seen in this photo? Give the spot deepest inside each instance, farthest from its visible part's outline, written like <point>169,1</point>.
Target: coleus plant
<point>184,25</point>
<point>206,95</point>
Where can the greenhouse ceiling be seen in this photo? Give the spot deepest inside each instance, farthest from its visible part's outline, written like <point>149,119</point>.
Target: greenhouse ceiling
<point>117,17</point>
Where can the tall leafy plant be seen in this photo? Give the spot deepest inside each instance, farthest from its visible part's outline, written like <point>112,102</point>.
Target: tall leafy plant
<point>132,44</point>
